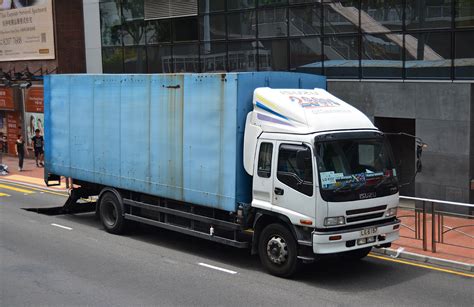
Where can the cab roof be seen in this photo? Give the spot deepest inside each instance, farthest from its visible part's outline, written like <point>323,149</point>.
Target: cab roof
<point>304,111</point>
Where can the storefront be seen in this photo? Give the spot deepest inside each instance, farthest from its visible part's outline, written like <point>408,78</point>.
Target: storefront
<point>10,119</point>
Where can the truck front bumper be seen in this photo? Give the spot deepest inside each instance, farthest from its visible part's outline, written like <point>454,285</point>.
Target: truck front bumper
<point>328,242</point>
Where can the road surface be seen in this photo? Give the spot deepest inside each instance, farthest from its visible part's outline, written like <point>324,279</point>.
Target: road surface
<point>70,260</point>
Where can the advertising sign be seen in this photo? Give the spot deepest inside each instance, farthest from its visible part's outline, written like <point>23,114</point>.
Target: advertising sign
<point>34,101</point>
<point>6,98</point>
<point>33,121</point>
<point>26,30</point>
<point>13,129</point>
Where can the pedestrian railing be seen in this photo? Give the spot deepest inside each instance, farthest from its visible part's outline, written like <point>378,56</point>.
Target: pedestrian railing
<point>429,223</point>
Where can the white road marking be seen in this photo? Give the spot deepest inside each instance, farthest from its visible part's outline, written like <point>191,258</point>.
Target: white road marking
<point>61,226</point>
<point>216,268</point>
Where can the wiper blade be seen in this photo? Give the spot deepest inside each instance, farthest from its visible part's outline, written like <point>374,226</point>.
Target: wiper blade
<point>384,180</point>
<point>349,187</point>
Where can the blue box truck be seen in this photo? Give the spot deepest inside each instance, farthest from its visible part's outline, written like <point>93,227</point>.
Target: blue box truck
<point>268,161</point>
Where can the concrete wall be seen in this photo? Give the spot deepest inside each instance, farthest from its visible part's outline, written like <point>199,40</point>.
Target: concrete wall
<point>444,120</point>
<point>92,36</point>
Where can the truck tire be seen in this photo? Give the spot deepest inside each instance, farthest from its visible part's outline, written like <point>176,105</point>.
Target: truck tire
<point>357,254</point>
<point>278,251</point>
<point>111,214</point>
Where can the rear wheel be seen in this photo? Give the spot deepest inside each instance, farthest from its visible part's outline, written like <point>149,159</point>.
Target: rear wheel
<point>277,249</point>
<point>111,214</point>
<point>357,254</point>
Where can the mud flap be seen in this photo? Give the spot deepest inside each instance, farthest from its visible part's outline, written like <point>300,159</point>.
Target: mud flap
<point>52,177</point>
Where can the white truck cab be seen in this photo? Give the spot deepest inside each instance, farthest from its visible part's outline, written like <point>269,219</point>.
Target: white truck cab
<point>323,165</point>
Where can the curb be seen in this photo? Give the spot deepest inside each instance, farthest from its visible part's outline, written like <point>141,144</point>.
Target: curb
<point>400,254</point>
<point>27,184</point>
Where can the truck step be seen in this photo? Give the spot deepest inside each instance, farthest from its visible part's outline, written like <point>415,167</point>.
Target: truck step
<point>187,231</point>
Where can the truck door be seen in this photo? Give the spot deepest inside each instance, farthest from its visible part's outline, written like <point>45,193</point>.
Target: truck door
<point>294,181</point>
<point>263,175</point>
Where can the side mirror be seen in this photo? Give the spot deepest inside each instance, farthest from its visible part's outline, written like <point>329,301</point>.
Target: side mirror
<point>419,151</point>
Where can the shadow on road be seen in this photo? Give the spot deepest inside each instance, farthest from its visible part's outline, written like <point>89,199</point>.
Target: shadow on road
<point>333,274</point>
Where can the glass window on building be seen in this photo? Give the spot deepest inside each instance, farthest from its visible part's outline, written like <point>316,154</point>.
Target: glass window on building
<point>240,4</point>
<point>273,55</point>
<point>186,58</point>
<point>112,60</point>
<point>158,31</point>
<point>341,56</point>
<point>302,1</point>
<point>110,23</point>
<point>305,20</point>
<point>272,22</point>
<point>241,25</point>
<point>382,56</point>
<point>208,6</point>
<point>464,55</point>
<point>242,56</point>
<point>159,59</point>
<point>133,33</point>
<point>185,29</point>
<point>133,10</point>
<point>464,13</point>
<point>305,55</point>
<point>381,16</point>
<point>134,59</point>
<point>428,14</point>
<point>428,55</point>
<point>213,57</point>
<point>271,2</point>
<point>341,16</point>
<point>212,27</point>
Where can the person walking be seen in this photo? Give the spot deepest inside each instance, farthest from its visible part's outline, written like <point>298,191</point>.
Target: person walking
<point>38,144</point>
<point>21,151</point>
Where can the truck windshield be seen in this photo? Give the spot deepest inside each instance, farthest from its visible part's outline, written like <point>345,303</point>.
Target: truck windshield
<point>355,168</point>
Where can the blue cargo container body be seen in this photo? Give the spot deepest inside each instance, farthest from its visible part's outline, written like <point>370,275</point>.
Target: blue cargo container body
<point>177,136</point>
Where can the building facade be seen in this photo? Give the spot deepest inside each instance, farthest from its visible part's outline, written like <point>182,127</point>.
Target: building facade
<point>37,37</point>
<point>408,64</point>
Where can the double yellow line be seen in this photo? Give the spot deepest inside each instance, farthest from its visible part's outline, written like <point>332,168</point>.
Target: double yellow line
<point>422,266</point>
<point>17,187</point>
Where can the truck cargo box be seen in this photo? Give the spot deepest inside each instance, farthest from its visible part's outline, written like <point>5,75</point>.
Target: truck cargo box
<point>177,136</point>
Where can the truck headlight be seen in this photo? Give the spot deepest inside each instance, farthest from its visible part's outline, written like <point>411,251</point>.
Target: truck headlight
<point>391,212</point>
<point>336,220</point>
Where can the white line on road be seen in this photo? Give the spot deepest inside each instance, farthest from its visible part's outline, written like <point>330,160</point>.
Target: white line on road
<point>61,226</point>
<point>216,268</point>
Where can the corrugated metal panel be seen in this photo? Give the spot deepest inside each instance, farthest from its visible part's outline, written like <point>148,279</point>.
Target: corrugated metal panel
<point>159,9</point>
<point>176,136</point>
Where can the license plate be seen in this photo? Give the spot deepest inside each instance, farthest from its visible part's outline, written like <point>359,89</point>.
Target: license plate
<point>368,231</point>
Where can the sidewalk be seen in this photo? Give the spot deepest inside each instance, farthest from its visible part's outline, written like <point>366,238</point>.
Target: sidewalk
<point>463,252</point>
<point>31,174</point>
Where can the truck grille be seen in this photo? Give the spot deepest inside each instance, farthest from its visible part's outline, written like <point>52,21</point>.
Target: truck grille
<point>365,216</point>
<point>365,210</point>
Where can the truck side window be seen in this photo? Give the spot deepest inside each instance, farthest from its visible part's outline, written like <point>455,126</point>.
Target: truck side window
<point>295,168</point>
<point>265,160</point>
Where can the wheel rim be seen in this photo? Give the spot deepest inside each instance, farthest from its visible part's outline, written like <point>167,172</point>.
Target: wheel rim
<point>277,250</point>
<point>109,213</point>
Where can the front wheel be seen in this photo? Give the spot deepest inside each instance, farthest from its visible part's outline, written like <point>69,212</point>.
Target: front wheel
<point>278,250</point>
<point>111,214</point>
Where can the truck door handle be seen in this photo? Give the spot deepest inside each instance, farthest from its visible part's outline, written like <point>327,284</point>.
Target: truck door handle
<point>279,191</point>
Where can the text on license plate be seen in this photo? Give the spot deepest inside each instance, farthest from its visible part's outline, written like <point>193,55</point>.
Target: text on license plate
<point>368,231</point>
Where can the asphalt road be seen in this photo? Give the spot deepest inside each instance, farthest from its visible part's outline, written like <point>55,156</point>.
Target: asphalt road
<point>70,260</point>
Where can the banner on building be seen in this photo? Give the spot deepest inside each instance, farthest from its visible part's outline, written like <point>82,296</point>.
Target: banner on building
<point>13,130</point>
<point>26,30</point>
<point>6,98</point>
<point>34,101</point>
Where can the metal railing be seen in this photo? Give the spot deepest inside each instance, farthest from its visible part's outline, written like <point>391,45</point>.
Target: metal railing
<point>440,222</point>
